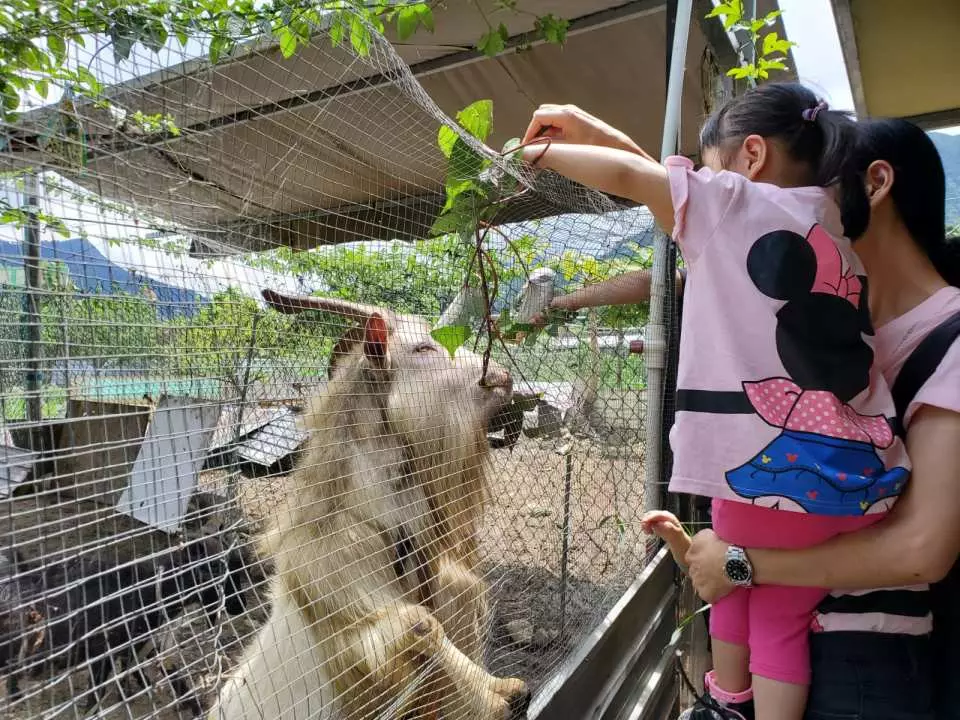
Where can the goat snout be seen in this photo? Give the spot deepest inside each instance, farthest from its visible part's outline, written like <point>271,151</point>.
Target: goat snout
<point>498,378</point>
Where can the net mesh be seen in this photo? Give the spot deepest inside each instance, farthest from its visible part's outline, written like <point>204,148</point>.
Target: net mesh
<point>213,506</point>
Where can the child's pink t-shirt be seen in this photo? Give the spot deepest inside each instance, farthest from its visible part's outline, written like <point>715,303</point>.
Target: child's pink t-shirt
<point>779,400</point>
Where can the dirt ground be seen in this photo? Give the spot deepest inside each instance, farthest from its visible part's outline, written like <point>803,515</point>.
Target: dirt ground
<point>544,601</point>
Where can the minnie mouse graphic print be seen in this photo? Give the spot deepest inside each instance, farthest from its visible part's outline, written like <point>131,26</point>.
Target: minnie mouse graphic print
<point>779,403</point>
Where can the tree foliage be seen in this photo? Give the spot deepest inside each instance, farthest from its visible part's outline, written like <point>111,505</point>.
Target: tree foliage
<point>36,35</point>
<point>768,49</point>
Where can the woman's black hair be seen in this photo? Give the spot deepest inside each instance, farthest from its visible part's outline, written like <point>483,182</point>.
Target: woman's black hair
<point>918,191</point>
<point>812,133</point>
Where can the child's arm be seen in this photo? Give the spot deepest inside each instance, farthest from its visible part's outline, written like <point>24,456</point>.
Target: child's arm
<point>612,171</point>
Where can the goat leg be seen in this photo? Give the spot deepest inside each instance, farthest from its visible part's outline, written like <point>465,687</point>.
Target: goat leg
<point>13,685</point>
<point>29,645</point>
<point>184,691</point>
<point>99,673</point>
<point>460,604</point>
<point>403,641</point>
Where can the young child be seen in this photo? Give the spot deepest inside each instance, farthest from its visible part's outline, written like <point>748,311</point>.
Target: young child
<point>781,417</point>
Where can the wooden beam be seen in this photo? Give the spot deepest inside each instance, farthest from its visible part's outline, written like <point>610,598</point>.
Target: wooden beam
<point>851,56</point>
<point>936,120</point>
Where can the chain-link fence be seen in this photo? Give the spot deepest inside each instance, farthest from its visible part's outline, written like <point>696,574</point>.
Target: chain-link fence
<point>402,497</point>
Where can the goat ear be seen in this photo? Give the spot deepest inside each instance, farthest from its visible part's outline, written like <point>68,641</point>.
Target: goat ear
<point>375,338</point>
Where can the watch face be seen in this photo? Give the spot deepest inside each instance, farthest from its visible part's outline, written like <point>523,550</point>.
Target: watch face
<point>738,571</point>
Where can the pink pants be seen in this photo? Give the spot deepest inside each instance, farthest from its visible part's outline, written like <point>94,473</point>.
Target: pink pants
<point>773,620</point>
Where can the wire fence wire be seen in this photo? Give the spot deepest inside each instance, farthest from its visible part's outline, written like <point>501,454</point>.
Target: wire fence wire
<point>211,507</point>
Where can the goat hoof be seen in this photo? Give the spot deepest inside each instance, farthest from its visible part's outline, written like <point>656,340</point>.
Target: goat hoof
<point>519,704</point>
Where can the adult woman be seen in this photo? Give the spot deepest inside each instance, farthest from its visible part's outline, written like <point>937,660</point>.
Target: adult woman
<point>876,662</point>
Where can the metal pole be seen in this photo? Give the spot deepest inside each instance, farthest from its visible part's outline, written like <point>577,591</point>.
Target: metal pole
<point>565,549</point>
<point>662,282</point>
<point>31,302</point>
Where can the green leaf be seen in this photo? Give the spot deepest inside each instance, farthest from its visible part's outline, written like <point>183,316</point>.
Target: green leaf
<point>407,23</point>
<point>42,87</point>
<point>775,64</point>
<point>772,43</point>
<point>465,164</point>
<point>454,190</point>
<point>90,83</point>
<point>11,100</point>
<point>494,42</point>
<point>411,18</point>
<point>58,226</point>
<point>288,42</point>
<point>477,119</point>
<point>445,224</point>
<point>724,8</point>
<point>122,44</point>
<point>359,36</point>
<point>58,47</point>
<point>771,17</point>
<point>336,31</point>
<point>509,145</point>
<point>731,13</point>
<point>552,29</point>
<point>446,138</point>
<point>155,36</point>
<point>451,337</point>
<point>742,72</point>
<point>217,46</point>
<point>426,16</point>
<point>182,37</point>
<point>678,633</point>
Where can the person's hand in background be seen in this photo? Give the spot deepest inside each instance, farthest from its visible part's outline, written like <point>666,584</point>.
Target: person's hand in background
<point>706,560</point>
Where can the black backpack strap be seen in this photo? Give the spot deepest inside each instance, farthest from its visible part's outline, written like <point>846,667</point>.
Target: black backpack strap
<point>921,364</point>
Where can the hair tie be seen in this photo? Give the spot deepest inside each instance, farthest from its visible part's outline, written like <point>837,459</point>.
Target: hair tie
<point>810,114</point>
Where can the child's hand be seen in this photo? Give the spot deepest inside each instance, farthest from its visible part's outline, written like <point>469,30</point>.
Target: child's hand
<point>666,526</point>
<point>560,303</point>
<point>661,523</point>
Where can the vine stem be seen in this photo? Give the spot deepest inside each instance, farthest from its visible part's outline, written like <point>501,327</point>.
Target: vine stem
<point>481,235</point>
<point>485,262</point>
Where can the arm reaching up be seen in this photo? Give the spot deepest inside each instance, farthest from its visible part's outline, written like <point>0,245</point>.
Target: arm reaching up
<point>570,124</point>
<point>617,172</point>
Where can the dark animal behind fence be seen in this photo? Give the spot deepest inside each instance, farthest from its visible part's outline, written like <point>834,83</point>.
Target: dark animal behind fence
<point>111,617</point>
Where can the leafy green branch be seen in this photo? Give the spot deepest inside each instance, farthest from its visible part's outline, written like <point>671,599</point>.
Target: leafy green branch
<point>769,50</point>
<point>22,216</point>
<point>549,28</point>
<point>475,188</point>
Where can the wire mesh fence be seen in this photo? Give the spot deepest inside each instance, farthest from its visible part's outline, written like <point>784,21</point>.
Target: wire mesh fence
<point>383,493</point>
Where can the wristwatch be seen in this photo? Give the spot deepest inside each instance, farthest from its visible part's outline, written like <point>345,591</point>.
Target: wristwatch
<point>737,567</point>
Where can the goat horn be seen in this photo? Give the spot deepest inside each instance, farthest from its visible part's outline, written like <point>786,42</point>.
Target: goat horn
<point>298,303</point>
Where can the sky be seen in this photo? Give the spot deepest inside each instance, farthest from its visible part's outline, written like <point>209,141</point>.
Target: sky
<point>818,55</point>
